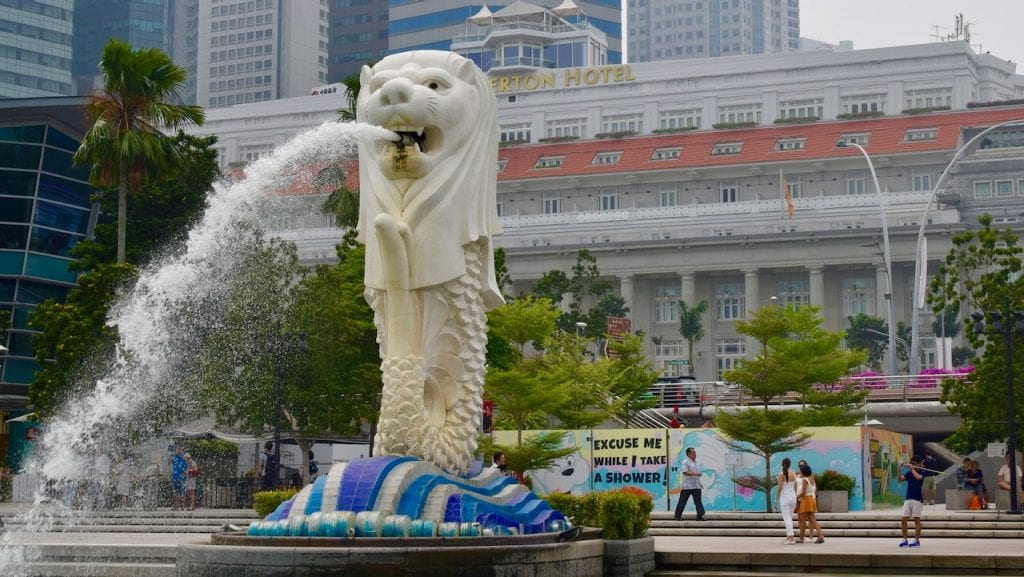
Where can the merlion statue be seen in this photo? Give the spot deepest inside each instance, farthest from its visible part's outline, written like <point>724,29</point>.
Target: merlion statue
<point>427,214</point>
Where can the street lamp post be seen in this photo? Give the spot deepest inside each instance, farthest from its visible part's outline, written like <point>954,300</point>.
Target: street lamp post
<point>1006,323</point>
<point>919,256</point>
<point>887,257</point>
<point>279,344</point>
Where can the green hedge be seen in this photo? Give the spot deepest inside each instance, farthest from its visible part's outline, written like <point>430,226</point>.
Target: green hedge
<point>621,514</point>
<point>729,125</point>
<point>553,139</point>
<point>615,135</point>
<point>266,502</point>
<point>924,109</point>
<point>673,130</point>
<point>856,115</point>
<point>796,120</point>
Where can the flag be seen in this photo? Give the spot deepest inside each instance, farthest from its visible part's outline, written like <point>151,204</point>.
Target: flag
<point>787,194</point>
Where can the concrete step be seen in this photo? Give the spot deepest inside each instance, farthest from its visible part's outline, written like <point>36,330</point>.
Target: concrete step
<point>892,532</point>
<point>72,569</point>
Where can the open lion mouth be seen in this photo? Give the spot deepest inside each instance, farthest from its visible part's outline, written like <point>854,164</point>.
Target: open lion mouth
<point>424,138</point>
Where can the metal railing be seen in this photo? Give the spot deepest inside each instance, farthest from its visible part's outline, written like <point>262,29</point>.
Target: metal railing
<point>880,389</point>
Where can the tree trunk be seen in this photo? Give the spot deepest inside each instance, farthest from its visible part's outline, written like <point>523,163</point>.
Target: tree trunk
<point>767,483</point>
<point>689,355</point>
<point>122,212</point>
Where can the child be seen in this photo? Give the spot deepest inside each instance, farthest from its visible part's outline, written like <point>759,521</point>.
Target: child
<point>913,504</point>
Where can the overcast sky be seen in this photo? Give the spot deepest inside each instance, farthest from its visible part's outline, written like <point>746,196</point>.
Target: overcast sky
<point>995,24</point>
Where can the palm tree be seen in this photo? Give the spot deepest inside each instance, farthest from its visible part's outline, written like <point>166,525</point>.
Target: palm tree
<point>690,326</point>
<point>124,143</point>
<point>352,84</point>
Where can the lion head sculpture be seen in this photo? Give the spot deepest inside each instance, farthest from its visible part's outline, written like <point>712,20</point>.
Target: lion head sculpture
<point>439,175</point>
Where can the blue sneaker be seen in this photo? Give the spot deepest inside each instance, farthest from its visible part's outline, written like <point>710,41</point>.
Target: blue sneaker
<point>916,543</point>
<point>904,543</point>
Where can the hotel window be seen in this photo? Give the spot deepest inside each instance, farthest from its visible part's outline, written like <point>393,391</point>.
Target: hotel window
<point>795,293</point>
<point>861,139</point>
<point>666,153</point>
<point>920,134</point>
<point>802,108</point>
<point>668,196</point>
<point>855,185</point>
<point>666,309</point>
<point>795,188</point>
<point>863,103</point>
<point>500,207</point>
<point>740,113</point>
<point>609,200</point>
<point>787,144</point>
<point>514,132</point>
<point>928,98</point>
<point>727,148</point>
<point>607,157</point>
<point>858,296</point>
<point>502,163</point>
<point>729,301</point>
<point>1007,138</point>
<point>1020,187</point>
<point>921,181</point>
<point>670,349</point>
<point>552,203</point>
<point>730,193</point>
<point>623,123</point>
<point>565,127</point>
<point>549,162</point>
<point>983,189</point>
<point>685,118</point>
<point>1004,188</point>
<point>729,352</point>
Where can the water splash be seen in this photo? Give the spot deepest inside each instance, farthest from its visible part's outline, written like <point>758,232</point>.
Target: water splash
<point>152,348</point>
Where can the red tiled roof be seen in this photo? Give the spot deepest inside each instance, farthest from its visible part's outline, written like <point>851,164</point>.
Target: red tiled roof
<point>886,138</point>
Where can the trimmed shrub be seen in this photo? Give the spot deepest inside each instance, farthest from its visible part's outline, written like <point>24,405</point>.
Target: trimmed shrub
<point>266,502</point>
<point>856,115</point>
<point>796,120</point>
<point>621,514</point>
<point>615,135</point>
<point>923,109</point>
<point>730,125</point>
<point>672,130</point>
<point>552,139</point>
<point>1010,102</point>
<point>831,480</point>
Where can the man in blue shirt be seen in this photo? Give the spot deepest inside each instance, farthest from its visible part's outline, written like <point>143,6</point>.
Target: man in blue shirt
<point>178,468</point>
<point>913,504</point>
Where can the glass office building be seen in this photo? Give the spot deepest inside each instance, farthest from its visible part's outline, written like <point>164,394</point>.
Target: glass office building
<point>45,209</point>
<point>35,53</point>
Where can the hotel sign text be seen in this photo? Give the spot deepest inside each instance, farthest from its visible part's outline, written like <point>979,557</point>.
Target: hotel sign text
<point>570,77</point>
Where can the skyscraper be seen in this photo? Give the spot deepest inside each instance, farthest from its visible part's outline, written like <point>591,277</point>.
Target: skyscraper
<point>432,24</point>
<point>676,29</point>
<point>141,23</point>
<point>257,50</point>
<point>358,34</point>
<point>35,56</point>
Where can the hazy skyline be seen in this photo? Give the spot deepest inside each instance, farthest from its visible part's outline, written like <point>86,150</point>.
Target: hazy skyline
<point>994,24</point>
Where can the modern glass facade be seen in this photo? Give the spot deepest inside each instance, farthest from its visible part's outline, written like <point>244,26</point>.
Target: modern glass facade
<point>45,209</point>
<point>35,48</point>
<point>141,23</point>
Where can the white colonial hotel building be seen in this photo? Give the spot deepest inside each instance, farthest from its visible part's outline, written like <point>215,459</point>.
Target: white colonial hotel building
<point>699,214</point>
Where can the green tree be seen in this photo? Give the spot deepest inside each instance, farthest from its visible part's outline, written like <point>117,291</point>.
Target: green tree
<point>982,273</point>
<point>631,376</point>
<point>352,83</point>
<point>124,143</point>
<point>796,353</point>
<point>583,286</point>
<point>569,367</point>
<point>524,320</point>
<point>691,328</point>
<point>868,333</point>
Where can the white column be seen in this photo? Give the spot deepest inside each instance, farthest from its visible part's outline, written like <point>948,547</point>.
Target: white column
<point>687,288</point>
<point>750,291</point>
<point>816,281</point>
<point>626,291</point>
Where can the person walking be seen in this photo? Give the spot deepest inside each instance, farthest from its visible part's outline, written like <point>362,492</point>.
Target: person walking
<point>191,479</point>
<point>266,468</point>
<point>785,496</point>
<point>689,482</point>
<point>809,505</point>
<point>913,504</point>
<point>798,488</point>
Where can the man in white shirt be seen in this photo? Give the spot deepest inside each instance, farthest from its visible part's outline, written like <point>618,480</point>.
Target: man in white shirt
<point>1003,477</point>
<point>689,481</point>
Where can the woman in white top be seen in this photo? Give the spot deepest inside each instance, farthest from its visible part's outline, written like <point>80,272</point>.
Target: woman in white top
<point>785,496</point>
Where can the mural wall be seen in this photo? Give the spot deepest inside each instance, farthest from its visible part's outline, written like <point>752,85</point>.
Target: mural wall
<point>884,452</point>
<point>651,459</point>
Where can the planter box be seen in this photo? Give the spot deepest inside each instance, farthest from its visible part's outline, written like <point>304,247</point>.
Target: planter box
<point>632,558</point>
<point>958,499</point>
<point>833,501</point>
